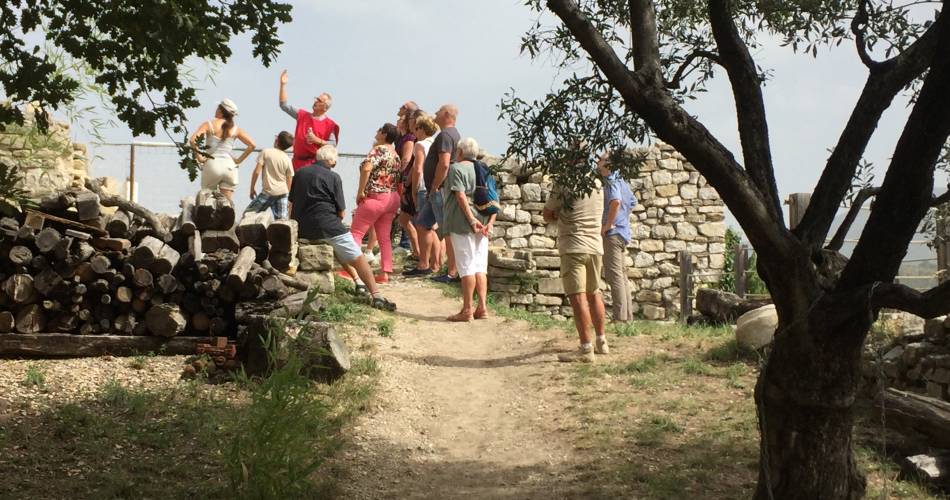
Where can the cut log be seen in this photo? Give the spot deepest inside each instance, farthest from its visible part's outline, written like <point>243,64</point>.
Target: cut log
<point>49,283</point>
<point>20,255</point>
<point>39,263</point>
<point>31,319</point>
<point>165,261</point>
<point>123,294</point>
<point>100,264</point>
<point>19,288</point>
<point>79,235</point>
<point>111,244</point>
<point>200,321</point>
<point>242,265</point>
<point>124,323</point>
<point>119,224</point>
<point>274,288</point>
<point>87,205</point>
<point>186,220</point>
<point>65,322</point>
<point>79,226</point>
<point>46,345</point>
<point>194,247</point>
<point>142,278</point>
<point>83,272</point>
<point>212,241</point>
<point>7,321</point>
<point>61,249</point>
<point>282,235</point>
<point>725,307</point>
<point>110,200</point>
<point>146,252</point>
<point>82,251</point>
<point>47,239</point>
<point>213,211</point>
<point>252,230</point>
<point>917,417</point>
<point>167,283</point>
<point>287,280</point>
<point>165,320</point>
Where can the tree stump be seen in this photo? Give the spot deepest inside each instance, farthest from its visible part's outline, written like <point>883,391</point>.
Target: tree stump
<point>165,320</point>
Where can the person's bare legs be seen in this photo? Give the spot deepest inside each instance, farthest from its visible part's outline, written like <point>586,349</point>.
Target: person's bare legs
<point>228,193</point>
<point>371,240</point>
<point>598,313</point>
<point>425,248</point>
<point>438,251</point>
<point>359,267</point>
<point>450,253</point>
<point>468,290</point>
<point>405,222</point>
<point>582,318</point>
<point>481,287</point>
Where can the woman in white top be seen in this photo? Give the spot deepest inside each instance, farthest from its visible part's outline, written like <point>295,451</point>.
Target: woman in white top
<point>219,168</point>
<point>424,128</point>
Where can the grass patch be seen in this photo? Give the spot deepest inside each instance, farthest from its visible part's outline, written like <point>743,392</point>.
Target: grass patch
<point>34,377</point>
<point>882,478</point>
<point>730,352</point>
<point>385,327</point>
<point>695,366</point>
<point>625,329</point>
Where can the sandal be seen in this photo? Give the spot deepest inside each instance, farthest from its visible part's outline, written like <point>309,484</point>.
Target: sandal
<point>459,318</point>
<point>383,303</point>
<point>480,314</point>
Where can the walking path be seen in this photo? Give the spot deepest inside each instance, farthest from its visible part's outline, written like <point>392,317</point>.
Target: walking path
<point>465,410</point>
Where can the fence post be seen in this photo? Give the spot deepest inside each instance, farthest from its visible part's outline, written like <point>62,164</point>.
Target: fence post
<point>686,285</point>
<point>742,256</point>
<point>797,203</point>
<point>132,171</point>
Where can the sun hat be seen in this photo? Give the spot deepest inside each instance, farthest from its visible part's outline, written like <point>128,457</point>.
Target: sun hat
<point>229,106</point>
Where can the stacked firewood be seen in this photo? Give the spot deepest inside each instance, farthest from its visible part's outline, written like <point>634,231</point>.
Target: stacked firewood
<point>70,268</point>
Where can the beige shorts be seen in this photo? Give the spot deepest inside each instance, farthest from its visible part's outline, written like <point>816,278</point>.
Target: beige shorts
<point>219,172</point>
<point>580,272</point>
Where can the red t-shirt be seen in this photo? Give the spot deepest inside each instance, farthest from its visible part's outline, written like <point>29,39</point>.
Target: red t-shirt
<point>304,152</point>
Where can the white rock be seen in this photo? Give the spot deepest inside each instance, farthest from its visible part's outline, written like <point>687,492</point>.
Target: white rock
<point>756,328</point>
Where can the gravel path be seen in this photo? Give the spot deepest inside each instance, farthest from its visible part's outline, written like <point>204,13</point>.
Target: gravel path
<point>465,410</point>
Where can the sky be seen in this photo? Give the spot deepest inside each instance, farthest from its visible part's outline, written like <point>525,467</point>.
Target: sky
<point>372,55</point>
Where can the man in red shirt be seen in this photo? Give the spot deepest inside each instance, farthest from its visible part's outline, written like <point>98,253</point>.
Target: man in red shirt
<point>314,130</point>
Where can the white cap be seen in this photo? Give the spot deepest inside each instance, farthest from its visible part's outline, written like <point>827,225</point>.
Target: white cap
<point>229,106</point>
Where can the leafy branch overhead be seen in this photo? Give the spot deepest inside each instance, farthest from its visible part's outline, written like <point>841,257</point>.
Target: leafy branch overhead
<point>136,51</point>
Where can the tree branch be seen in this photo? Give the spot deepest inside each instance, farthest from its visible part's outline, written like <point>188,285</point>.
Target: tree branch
<point>643,36</point>
<point>672,124</point>
<point>858,25</point>
<point>838,240</point>
<point>907,190</point>
<point>750,106</point>
<point>681,71</point>
<point>929,304</point>
<point>876,97</point>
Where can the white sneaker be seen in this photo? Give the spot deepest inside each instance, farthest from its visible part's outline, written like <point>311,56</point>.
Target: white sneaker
<point>602,348</point>
<point>580,355</point>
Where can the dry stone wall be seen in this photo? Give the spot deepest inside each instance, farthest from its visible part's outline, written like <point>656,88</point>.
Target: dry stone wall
<point>49,162</point>
<point>918,362</point>
<point>677,211</point>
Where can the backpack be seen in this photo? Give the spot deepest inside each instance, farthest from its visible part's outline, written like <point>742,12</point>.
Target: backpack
<point>486,192</point>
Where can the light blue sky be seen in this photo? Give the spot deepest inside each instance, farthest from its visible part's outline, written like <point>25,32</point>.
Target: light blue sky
<point>373,55</point>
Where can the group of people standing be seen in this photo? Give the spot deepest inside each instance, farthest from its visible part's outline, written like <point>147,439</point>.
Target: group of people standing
<point>418,168</point>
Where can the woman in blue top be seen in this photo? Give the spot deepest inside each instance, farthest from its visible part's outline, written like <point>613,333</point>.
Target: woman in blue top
<point>615,230</point>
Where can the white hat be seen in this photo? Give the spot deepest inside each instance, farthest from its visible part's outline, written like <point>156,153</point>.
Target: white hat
<point>229,106</point>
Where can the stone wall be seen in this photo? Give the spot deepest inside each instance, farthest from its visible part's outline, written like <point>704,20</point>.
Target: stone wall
<point>49,162</point>
<point>677,211</point>
<point>918,362</point>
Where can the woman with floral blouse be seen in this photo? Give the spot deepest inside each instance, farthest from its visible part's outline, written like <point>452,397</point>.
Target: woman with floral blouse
<point>377,199</point>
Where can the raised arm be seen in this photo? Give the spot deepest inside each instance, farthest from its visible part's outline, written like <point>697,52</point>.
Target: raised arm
<point>248,142</point>
<point>282,96</point>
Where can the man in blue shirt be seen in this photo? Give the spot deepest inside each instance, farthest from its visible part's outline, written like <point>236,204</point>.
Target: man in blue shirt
<point>615,229</point>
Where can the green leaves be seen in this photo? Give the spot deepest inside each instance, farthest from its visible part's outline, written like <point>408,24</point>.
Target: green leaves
<point>135,50</point>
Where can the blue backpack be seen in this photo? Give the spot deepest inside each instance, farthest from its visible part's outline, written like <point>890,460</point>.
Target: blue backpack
<point>486,192</point>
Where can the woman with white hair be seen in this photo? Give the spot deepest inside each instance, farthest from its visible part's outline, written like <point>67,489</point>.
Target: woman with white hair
<point>468,230</point>
<point>219,168</point>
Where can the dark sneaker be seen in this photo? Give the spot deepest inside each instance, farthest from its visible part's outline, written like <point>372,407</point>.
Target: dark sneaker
<point>445,278</point>
<point>360,290</point>
<point>383,303</point>
<point>416,272</point>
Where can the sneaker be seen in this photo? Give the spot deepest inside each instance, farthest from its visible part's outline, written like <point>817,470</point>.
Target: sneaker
<point>577,356</point>
<point>383,303</point>
<point>601,347</point>
<point>370,258</point>
<point>445,278</point>
<point>361,290</point>
<point>409,273</point>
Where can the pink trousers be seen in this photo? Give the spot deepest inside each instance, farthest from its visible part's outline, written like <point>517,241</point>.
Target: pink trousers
<point>378,211</point>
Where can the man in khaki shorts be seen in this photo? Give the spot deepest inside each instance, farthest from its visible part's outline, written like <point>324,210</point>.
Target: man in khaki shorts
<point>581,248</point>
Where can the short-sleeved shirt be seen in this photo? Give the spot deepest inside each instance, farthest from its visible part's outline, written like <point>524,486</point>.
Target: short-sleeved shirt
<point>317,196</point>
<point>615,188</point>
<point>461,178</point>
<point>275,170</point>
<point>578,226</point>
<point>323,127</point>
<point>386,170</point>
<point>445,142</point>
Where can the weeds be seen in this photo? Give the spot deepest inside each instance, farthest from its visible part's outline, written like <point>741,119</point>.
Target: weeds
<point>694,366</point>
<point>623,329</point>
<point>385,327</point>
<point>123,400</point>
<point>35,377</point>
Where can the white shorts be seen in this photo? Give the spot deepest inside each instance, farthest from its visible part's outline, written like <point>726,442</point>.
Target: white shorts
<point>471,253</point>
<point>219,172</point>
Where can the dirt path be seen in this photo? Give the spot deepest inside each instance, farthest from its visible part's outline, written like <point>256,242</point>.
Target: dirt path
<point>465,410</point>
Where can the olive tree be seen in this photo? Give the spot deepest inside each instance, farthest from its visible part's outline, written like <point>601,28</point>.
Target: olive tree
<point>644,59</point>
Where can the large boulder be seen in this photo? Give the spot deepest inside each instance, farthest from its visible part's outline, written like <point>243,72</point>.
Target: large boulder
<point>756,328</point>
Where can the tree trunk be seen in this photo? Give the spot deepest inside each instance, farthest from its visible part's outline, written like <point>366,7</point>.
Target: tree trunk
<point>805,397</point>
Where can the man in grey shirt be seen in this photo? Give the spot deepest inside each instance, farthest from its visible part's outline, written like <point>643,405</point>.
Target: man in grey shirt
<point>314,130</point>
<point>435,168</point>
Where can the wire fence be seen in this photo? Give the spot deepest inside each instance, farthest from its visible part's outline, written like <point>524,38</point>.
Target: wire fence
<point>152,172</point>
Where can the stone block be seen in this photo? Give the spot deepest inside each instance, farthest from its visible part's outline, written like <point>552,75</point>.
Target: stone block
<point>522,298</point>
<point>713,229</point>
<point>499,286</point>
<point>315,258</point>
<point>661,177</point>
<point>518,243</point>
<point>663,232</point>
<point>523,217</point>
<point>680,177</point>
<point>661,256</point>
<point>545,262</point>
<point>519,231</point>
<point>662,282</point>
<point>548,300</point>
<point>649,296</point>
<point>533,207</point>
<point>689,192</point>
<point>653,313</point>
<point>538,220</point>
<point>550,286</point>
<point>531,192</point>
<point>666,190</point>
<point>536,241</point>
<point>717,261</point>
<point>498,259</point>
<point>322,281</point>
<point>708,193</point>
<point>507,214</point>
<point>669,269</point>
<point>643,259</point>
<point>670,164</point>
<point>510,192</point>
<point>651,245</point>
<point>674,246</point>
